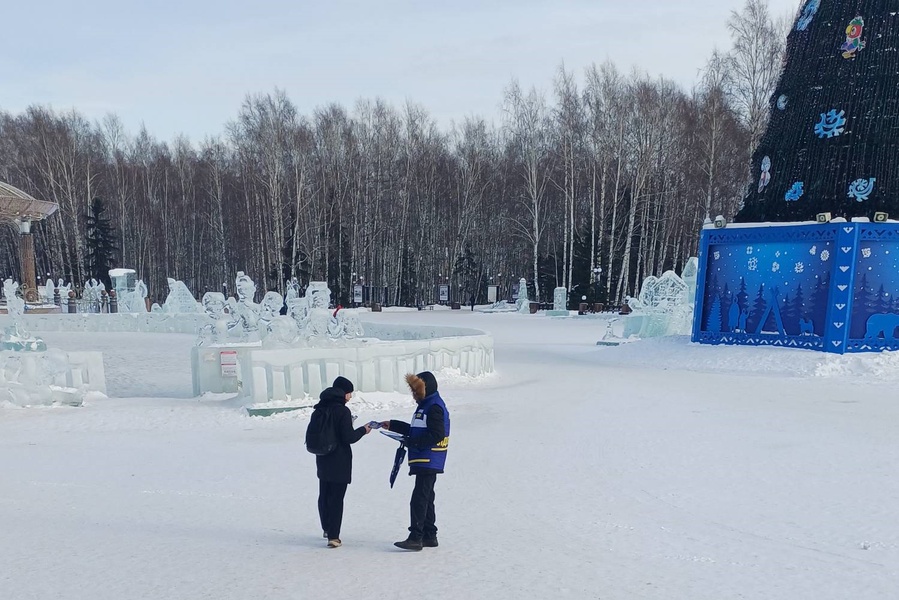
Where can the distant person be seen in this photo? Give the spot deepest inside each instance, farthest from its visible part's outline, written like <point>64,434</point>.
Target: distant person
<point>335,467</point>
<point>428,439</point>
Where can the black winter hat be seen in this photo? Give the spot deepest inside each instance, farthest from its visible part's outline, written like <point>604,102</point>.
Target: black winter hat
<point>343,384</point>
<point>430,382</point>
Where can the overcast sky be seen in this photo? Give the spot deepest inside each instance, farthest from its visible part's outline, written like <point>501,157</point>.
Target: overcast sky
<point>185,66</point>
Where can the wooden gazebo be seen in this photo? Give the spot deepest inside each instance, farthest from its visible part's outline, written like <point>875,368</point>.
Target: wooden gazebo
<point>23,209</point>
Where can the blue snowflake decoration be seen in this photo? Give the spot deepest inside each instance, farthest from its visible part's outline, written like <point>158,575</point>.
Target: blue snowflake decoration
<point>808,13</point>
<point>832,124</point>
<point>860,189</point>
<point>795,192</point>
<point>782,102</point>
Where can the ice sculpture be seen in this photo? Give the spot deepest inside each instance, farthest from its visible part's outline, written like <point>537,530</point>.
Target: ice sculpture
<point>133,301</point>
<point>93,295</point>
<point>216,332</point>
<point>523,304</point>
<point>318,295</point>
<point>297,305</point>
<point>14,337</point>
<point>309,321</point>
<point>33,379</point>
<point>15,306</point>
<point>45,292</point>
<point>269,308</point>
<point>179,300</point>
<point>664,305</point>
<point>292,287</point>
<point>344,324</point>
<point>244,311</point>
<point>64,289</point>
<point>560,299</point>
<point>282,332</point>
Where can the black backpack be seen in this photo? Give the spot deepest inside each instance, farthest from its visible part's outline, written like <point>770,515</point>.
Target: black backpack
<point>321,434</point>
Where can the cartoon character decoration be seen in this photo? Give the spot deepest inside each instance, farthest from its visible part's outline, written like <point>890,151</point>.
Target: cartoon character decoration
<point>765,177</point>
<point>853,41</point>
<point>808,13</point>
<point>860,189</point>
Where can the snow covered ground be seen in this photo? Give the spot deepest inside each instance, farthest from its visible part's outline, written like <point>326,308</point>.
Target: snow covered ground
<point>654,470</point>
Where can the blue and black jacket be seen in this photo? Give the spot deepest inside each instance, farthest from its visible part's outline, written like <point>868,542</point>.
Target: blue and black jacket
<point>428,434</point>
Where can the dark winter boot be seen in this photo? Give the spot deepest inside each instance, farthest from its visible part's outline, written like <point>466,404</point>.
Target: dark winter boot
<point>409,544</point>
<point>429,542</point>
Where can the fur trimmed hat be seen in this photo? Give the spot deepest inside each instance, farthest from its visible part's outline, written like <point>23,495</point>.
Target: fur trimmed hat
<point>422,385</point>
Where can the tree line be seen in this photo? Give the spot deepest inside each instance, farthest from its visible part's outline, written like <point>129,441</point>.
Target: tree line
<point>594,185</point>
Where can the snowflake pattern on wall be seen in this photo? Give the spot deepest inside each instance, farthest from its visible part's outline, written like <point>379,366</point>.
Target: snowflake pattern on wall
<point>813,250</point>
<point>753,263</point>
<point>799,267</point>
<point>748,249</point>
<point>795,192</point>
<point>832,124</point>
<point>866,252</point>
<point>775,267</point>
<point>825,255</point>
<point>717,255</point>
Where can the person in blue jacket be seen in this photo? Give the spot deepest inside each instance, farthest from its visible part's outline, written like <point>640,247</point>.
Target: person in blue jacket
<point>427,438</point>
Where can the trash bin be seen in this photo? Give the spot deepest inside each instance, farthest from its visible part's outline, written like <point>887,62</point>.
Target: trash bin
<point>376,307</point>
<point>597,307</point>
<point>582,308</point>
<point>456,306</point>
<point>533,307</point>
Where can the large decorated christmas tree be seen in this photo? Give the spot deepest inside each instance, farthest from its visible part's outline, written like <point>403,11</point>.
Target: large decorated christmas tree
<point>832,143</point>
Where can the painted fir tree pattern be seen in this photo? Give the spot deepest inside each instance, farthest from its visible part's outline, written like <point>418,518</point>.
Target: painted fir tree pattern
<point>831,143</point>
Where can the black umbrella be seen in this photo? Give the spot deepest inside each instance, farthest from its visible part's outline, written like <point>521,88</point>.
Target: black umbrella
<point>400,454</point>
<point>397,461</point>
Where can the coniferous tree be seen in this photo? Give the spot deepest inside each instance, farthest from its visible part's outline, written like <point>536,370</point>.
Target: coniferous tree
<point>789,315</point>
<point>881,302</point>
<point>830,145</point>
<point>101,243</point>
<point>862,300</point>
<point>714,322</point>
<point>759,305</point>
<point>742,296</point>
<point>727,299</point>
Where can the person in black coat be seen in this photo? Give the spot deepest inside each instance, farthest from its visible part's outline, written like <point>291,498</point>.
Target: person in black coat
<point>335,469</point>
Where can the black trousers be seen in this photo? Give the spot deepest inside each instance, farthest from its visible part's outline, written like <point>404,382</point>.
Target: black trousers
<point>421,507</point>
<point>330,507</point>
